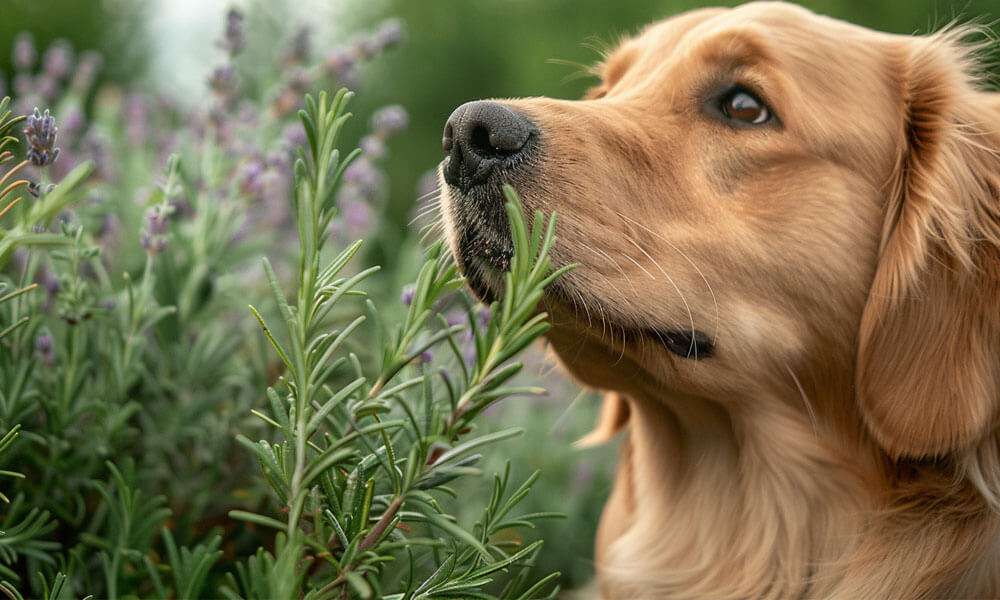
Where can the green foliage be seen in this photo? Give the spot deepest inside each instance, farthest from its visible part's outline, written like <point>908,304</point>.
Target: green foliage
<point>132,379</point>
<point>367,440</point>
<point>359,464</point>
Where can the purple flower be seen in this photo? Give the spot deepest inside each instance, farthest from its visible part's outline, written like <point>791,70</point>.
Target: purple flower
<point>483,316</point>
<point>23,84</point>
<point>49,281</point>
<point>58,60</point>
<point>367,47</point>
<point>294,135</point>
<point>426,357</point>
<point>455,317</point>
<point>95,145</point>
<point>38,190</point>
<point>156,220</point>
<point>46,86</point>
<point>250,177</point>
<point>390,120</point>
<point>390,33</point>
<point>340,62</point>
<point>301,46</point>
<point>223,80</point>
<point>356,215</point>
<point>409,292</point>
<point>153,237</point>
<point>372,146</point>
<point>109,231</point>
<point>45,348</point>
<point>363,177</point>
<point>86,71</point>
<point>233,38</point>
<point>137,119</point>
<point>73,123</point>
<point>41,135</point>
<point>25,53</point>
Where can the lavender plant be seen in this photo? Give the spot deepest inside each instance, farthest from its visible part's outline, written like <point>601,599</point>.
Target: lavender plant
<point>132,379</point>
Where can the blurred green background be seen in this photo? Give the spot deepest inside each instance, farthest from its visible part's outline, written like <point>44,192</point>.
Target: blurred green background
<point>456,51</point>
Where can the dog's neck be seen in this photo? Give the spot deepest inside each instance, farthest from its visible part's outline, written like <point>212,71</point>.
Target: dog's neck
<point>743,503</point>
<point>764,501</point>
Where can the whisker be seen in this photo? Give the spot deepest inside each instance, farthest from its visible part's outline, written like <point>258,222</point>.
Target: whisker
<point>715,301</point>
<point>687,307</point>
<point>614,263</point>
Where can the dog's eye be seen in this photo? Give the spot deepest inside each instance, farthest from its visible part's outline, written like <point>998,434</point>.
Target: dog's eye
<point>740,105</point>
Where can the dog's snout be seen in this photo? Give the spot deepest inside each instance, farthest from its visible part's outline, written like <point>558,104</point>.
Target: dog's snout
<point>478,136</point>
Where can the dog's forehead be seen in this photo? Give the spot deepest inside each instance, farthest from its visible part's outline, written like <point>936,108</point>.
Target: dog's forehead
<point>778,23</point>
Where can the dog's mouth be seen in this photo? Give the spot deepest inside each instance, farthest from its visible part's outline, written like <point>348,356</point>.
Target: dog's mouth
<point>484,249</point>
<point>686,342</point>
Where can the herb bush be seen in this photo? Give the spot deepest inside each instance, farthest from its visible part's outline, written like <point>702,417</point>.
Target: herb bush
<point>160,439</point>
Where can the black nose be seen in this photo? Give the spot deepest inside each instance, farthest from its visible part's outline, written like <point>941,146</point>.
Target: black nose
<point>479,136</point>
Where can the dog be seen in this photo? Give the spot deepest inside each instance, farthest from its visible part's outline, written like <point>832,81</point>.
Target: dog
<point>787,238</point>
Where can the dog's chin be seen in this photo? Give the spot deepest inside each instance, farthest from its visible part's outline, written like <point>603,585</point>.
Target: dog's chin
<point>480,239</point>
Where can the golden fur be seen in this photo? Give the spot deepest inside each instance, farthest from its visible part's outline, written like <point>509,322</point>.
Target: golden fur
<point>842,441</point>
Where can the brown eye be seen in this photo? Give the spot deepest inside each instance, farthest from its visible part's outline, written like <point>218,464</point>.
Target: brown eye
<point>744,107</point>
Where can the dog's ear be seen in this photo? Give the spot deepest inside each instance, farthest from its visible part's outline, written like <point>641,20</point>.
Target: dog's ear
<point>928,372</point>
<point>613,417</point>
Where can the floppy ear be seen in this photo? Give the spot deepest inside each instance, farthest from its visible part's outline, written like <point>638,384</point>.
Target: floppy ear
<point>928,373</point>
<point>614,416</point>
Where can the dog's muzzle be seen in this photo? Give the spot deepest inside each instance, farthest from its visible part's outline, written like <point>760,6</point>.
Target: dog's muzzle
<point>486,145</point>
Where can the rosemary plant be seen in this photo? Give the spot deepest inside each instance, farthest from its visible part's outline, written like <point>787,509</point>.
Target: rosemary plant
<point>364,457</point>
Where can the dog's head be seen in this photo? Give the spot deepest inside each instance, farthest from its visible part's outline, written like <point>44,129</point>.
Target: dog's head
<point>761,197</point>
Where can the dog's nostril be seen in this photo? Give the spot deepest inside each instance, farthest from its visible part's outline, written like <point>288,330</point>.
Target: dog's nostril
<point>448,139</point>
<point>481,142</point>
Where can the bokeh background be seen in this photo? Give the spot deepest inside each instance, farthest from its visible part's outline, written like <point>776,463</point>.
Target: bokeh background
<point>455,51</point>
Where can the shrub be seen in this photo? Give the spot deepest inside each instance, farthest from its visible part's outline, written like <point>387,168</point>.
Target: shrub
<point>128,360</point>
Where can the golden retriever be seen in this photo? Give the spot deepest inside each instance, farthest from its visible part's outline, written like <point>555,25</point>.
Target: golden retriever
<point>788,236</point>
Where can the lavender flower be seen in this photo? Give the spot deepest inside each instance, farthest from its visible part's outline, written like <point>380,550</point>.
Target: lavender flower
<point>301,47</point>
<point>341,64</point>
<point>73,123</point>
<point>25,53</point>
<point>223,80</point>
<point>45,348</point>
<point>234,37</point>
<point>364,177</point>
<point>41,136</point>
<point>409,292</point>
<point>250,177</point>
<point>153,237</point>
<point>23,84</point>
<point>390,33</point>
<point>357,217</point>
<point>372,146</point>
<point>483,316</point>
<point>389,120</point>
<point>46,86</point>
<point>137,119</point>
<point>95,145</point>
<point>86,71</point>
<point>58,60</point>
<point>156,220</point>
<point>37,190</point>
<point>294,135</point>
